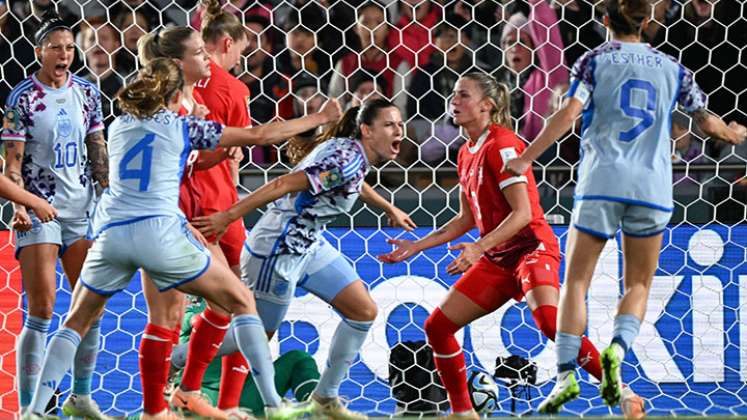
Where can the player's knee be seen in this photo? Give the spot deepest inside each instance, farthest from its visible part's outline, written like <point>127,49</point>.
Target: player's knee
<point>364,312</point>
<point>437,326</point>
<point>545,317</point>
<point>41,308</point>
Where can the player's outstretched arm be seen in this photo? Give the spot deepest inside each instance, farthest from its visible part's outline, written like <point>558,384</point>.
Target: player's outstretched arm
<point>397,217</point>
<point>216,223</point>
<point>456,227</point>
<point>97,155</point>
<point>11,191</point>
<point>715,127</point>
<point>557,125</point>
<point>277,132</point>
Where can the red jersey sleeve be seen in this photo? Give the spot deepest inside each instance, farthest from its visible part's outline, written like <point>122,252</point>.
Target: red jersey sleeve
<point>504,147</point>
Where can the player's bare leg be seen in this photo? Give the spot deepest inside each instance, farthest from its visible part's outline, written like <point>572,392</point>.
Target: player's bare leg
<point>582,253</point>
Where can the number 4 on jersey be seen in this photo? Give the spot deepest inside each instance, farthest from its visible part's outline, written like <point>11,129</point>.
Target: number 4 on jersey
<point>143,148</point>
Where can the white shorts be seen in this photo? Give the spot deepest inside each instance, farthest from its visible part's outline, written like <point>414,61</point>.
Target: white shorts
<point>163,246</point>
<point>602,218</point>
<point>62,232</point>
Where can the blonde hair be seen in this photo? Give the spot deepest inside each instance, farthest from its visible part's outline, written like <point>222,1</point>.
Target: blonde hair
<point>498,94</point>
<point>154,87</point>
<point>216,23</point>
<point>166,43</point>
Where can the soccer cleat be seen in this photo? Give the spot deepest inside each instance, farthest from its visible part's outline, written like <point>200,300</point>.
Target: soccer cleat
<point>240,413</point>
<point>566,389</point>
<point>288,410</point>
<point>633,406</point>
<point>472,415</point>
<point>334,409</point>
<point>196,403</point>
<point>27,415</point>
<point>611,387</point>
<point>83,406</point>
<point>163,415</point>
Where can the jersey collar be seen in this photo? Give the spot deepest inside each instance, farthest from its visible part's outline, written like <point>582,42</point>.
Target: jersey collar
<point>476,147</point>
<point>62,88</point>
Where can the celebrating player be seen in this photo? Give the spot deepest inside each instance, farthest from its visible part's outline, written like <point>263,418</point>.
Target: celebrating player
<point>286,245</point>
<point>138,224</point>
<point>55,149</point>
<point>517,254</point>
<point>625,180</point>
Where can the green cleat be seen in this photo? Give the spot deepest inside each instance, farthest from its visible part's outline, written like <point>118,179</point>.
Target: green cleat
<point>334,409</point>
<point>611,387</point>
<point>288,410</point>
<point>83,406</point>
<point>566,389</point>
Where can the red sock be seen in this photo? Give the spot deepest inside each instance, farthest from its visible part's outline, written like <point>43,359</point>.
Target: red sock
<point>155,351</point>
<point>232,377</point>
<point>588,357</point>
<point>207,335</point>
<point>449,359</point>
<point>176,334</point>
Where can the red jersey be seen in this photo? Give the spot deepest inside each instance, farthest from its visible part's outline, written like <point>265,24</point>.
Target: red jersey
<point>480,175</point>
<point>227,98</point>
<point>189,198</point>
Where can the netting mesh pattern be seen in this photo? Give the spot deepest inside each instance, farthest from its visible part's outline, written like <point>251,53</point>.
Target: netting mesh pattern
<point>691,356</point>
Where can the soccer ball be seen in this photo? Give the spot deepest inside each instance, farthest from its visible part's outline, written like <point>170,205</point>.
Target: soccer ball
<point>483,392</point>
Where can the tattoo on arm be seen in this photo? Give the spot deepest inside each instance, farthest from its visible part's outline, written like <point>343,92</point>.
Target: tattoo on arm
<point>98,158</point>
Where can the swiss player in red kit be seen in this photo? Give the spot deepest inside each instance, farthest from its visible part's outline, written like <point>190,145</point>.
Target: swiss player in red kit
<point>517,254</point>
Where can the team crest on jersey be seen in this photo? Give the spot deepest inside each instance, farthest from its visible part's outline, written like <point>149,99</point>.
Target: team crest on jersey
<point>64,125</point>
<point>10,120</point>
<point>330,179</point>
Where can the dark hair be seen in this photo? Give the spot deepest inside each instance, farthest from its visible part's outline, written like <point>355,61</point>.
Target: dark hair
<point>217,23</point>
<point>168,43</point>
<point>362,76</point>
<point>51,22</point>
<point>452,22</point>
<point>348,126</point>
<point>626,16</point>
<point>155,85</point>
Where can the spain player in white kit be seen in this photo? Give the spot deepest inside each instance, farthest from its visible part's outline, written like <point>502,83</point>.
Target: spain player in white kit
<point>285,249</point>
<point>53,137</point>
<point>626,91</point>
<point>138,223</point>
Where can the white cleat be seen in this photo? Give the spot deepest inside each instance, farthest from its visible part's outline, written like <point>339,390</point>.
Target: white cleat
<point>83,406</point>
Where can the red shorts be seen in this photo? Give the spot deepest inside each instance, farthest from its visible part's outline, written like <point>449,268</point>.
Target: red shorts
<point>490,285</point>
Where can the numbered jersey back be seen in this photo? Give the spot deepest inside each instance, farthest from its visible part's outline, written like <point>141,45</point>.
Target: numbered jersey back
<point>629,91</point>
<point>147,159</point>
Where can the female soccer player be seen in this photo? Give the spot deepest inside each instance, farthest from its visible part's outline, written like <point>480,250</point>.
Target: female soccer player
<point>625,180</point>
<point>286,248</point>
<point>517,254</point>
<point>138,224</point>
<point>54,143</point>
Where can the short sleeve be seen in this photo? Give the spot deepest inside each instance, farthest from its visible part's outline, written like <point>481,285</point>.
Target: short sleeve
<point>690,97</point>
<point>95,115</point>
<point>202,134</point>
<point>14,126</point>
<point>582,78</point>
<point>496,157</point>
<point>335,169</point>
<point>238,115</point>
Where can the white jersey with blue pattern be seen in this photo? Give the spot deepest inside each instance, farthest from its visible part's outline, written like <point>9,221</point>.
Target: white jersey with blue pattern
<point>53,124</point>
<point>293,223</point>
<point>629,91</point>
<point>147,159</point>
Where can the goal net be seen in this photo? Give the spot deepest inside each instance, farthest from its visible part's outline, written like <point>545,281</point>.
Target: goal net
<point>691,355</point>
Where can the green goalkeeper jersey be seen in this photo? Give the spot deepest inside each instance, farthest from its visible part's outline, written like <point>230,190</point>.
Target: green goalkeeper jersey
<point>295,371</point>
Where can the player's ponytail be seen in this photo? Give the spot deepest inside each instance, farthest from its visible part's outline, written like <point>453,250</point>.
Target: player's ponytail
<point>163,43</point>
<point>154,87</point>
<point>626,16</point>
<point>347,126</point>
<point>499,96</point>
<point>216,23</point>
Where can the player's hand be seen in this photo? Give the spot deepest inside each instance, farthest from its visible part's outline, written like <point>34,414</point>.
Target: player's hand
<point>398,218</point>
<point>331,110</point>
<point>197,234</point>
<point>44,211</point>
<point>21,221</point>
<point>471,253</point>
<point>517,166</point>
<point>236,153</point>
<point>404,250</point>
<point>213,225</point>
<point>739,130</point>
<point>200,111</point>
